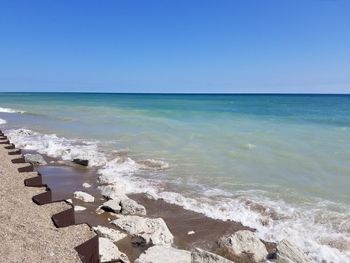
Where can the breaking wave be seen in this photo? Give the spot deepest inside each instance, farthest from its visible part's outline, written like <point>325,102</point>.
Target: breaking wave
<point>9,110</point>
<point>2,121</point>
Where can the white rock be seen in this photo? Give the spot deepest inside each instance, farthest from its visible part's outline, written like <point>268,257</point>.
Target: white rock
<point>131,207</point>
<point>109,251</point>
<point>162,254</point>
<point>109,233</point>
<point>34,159</point>
<point>151,195</point>
<point>202,256</point>
<point>79,208</point>
<point>84,196</point>
<point>191,232</point>
<point>86,185</point>
<point>245,243</point>
<point>151,231</point>
<point>111,206</point>
<point>112,191</point>
<point>289,253</point>
<point>99,210</point>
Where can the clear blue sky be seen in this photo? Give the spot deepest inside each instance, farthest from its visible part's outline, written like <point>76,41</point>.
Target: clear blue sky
<point>175,45</point>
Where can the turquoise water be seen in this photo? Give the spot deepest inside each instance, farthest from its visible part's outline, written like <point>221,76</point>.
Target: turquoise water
<point>282,159</point>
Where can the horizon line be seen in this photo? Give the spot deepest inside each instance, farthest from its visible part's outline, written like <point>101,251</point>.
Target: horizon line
<point>180,93</point>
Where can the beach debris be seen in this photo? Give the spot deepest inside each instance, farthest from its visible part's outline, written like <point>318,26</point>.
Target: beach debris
<point>84,196</point>
<point>112,206</point>
<point>35,159</point>
<point>152,231</point>
<point>110,252</point>
<point>113,191</point>
<point>287,252</point>
<point>131,207</point>
<point>161,254</point>
<point>202,256</point>
<point>110,233</point>
<point>86,185</point>
<point>191,232</point>
<point>81,162</point>
<point>78,208</point>
<point>244,244</point>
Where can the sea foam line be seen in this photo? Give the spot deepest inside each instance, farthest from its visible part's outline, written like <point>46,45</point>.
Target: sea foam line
<point>9,110</point>
<point>2,121</point>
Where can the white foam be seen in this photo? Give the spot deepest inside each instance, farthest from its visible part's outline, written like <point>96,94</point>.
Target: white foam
<point>56,147</point>
<point>2,121</point>
<point>320,239</point>
<point>9,110</point>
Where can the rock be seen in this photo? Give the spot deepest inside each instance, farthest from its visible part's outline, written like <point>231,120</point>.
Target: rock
<point>109,233</point>
<point>152,231</point>
<point>191,232</point>
<point>162,254</point>
<point>110,252</point>
<point>79,208</point>
<point>81,162</point>
<point>86,185</point>
<point>202,256</point>
<point>35,159</point>
<point>245,244</point>
<point>69,201</point>
<point>99,210</point>
<point>112,191</point>
<point>151,195</point>
<point>112,206</point>
<point>84,196</point>
<point>131,207</point>
<point>289,253</point>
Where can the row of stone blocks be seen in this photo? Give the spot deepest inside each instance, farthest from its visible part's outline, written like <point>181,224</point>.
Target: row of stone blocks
<point>87,251</point>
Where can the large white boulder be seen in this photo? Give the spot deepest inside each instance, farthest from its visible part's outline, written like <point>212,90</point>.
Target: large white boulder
<point>113,191</point>
<point>112,206</point>
<point>35,159</point>
<point>152,231</point>
<point>289,253</point>
<point>245,244</point>
<point>84,196</point>
<point>202,256</point>
<point>131,207</point>
<point>110,252</point>
<point>162,254</point>
<point>110,233</point>
<point>79,208</point>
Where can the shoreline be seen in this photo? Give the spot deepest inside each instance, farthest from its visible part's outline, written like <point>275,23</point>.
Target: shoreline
<point>192,234</point>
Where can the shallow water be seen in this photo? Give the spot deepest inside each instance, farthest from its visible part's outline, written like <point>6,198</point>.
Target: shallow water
<point>278,163</point>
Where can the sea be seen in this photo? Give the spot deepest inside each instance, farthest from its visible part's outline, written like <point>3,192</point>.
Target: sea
<point>276,163</point>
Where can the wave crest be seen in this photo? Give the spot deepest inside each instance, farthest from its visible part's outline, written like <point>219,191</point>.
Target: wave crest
<point>9,110</point>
